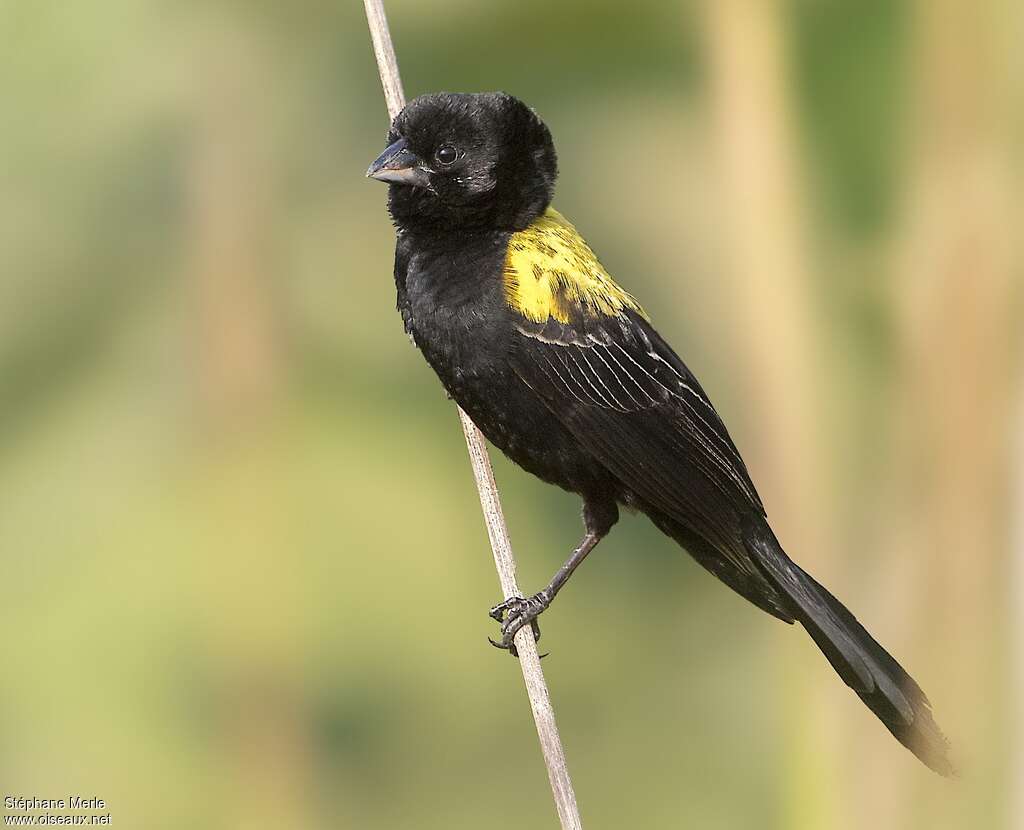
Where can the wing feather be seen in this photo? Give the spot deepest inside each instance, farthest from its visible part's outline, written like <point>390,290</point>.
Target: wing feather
<point>629,399</point>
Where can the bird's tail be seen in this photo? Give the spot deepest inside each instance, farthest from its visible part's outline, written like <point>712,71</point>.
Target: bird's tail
<point>860,661</point>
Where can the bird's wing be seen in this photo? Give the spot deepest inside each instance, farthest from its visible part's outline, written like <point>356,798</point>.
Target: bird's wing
<point>588,351</point>
<point>632,403</point>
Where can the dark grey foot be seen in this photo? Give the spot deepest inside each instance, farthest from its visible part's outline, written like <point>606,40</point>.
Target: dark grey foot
<point>515,613</point>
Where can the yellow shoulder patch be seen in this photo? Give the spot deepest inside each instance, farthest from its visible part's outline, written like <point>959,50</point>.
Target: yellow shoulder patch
<point>550,272</point>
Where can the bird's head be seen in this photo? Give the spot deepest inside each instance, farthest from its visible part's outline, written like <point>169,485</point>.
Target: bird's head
<point>467,161</point>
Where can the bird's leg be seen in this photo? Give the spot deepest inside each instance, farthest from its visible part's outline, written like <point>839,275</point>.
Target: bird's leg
<point>515,612</point>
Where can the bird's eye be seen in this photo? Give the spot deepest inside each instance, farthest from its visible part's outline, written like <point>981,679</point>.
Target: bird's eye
<point>446,154</point>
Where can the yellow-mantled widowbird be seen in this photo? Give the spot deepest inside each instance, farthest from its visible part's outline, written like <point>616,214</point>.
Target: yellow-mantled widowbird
<point>564,372</point>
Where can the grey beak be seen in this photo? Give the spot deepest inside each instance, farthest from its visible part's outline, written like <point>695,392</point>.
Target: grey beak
<point>399,165</point>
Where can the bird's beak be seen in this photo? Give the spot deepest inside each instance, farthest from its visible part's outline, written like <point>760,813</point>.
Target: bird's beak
<point>399,165</point>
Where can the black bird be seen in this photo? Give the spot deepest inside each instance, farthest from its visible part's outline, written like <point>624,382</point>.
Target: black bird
<point>563,371</point>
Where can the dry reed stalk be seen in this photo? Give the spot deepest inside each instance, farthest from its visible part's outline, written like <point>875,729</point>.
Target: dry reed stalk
<point>529,660</point>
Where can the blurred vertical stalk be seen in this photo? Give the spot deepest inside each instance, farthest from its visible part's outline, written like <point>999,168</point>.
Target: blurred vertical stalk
<point>237,349</point>
<point>953,398</point>
<point>1016,713</point>
<point>773,302</point>
<point>249,591</point>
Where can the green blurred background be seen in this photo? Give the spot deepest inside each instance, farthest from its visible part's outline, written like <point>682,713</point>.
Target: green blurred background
<point>245,573</point>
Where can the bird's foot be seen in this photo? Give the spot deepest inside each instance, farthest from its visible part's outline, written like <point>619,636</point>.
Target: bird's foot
<point>516,612</point>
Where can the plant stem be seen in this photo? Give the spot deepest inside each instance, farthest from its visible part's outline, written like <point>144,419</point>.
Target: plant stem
<point>529,660</point>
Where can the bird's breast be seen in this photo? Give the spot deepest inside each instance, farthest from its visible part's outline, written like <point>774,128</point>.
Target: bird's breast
<point>455,309</point>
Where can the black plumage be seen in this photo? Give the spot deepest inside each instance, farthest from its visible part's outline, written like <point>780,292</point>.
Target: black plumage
<point>564,373</point>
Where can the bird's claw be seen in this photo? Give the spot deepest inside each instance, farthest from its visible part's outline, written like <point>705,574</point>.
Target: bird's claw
<point>513,614</point>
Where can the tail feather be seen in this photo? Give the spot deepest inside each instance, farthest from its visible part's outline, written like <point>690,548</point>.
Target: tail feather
<point>860,661</point>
